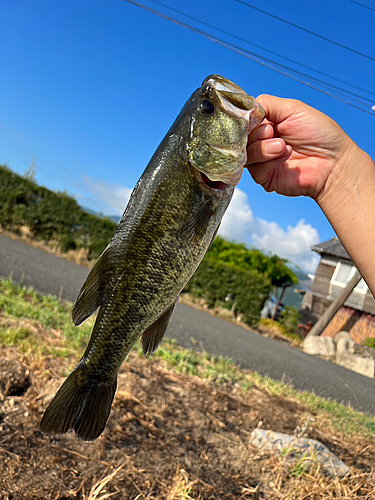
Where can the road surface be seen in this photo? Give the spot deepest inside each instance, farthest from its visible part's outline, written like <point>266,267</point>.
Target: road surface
<point>50,274</point>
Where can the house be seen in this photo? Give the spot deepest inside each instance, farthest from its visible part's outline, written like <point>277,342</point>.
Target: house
<point>335,269</point>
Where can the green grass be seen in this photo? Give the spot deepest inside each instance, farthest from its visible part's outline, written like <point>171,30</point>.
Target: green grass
<point>369,342</point>
<point>28,310</point>
<point>270,324</point>
<point>19,302</point>
<point>206,366</point>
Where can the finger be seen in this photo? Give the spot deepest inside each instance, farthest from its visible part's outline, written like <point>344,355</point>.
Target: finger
<point>269,149</point>
<point>260,171</point>
<point>264,131</point>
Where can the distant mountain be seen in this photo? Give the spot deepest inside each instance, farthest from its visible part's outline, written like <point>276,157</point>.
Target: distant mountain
<point>304,282</point>
<point>114,218</point>
<point>291,298</point>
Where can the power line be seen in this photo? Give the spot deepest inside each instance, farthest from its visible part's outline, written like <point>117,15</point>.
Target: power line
<point>245,53</point>
<point>362,5</point>
<point>306,30</point>
<point>292,77</point>
<point>274,53</point>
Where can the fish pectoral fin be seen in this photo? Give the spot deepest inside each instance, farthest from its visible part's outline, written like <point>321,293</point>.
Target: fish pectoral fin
<point>152,337</point>
<point>92,293</point>
<point>194,230</point>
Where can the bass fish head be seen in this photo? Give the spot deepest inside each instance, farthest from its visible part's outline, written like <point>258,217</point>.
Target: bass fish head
<point>222,116</point>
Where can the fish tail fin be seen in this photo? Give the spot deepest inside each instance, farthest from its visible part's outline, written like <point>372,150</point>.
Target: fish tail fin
<point>81,404</point>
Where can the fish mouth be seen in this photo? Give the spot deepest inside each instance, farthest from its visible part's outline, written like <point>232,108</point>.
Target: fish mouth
<point>219,187</point>
<point>236,101</point>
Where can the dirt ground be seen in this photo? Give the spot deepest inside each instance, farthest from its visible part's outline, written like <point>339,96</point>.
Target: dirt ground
<point>169,436</point>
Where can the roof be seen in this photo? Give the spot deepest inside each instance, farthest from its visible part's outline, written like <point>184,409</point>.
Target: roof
<point>331,247</point>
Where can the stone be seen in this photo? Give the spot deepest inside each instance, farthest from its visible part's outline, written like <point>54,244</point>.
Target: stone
<point>306,451</point>
<point>359,364</point>
<point>344,345</point>
<point>319,346</point>
<point>342,335</point>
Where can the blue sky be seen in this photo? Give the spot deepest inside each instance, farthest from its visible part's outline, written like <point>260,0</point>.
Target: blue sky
<point>89,89</point>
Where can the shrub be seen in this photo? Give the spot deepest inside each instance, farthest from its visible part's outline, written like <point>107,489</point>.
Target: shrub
<point>216,282</point>
<point>289,319</point>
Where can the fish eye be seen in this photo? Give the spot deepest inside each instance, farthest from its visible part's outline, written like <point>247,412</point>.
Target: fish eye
<point>206,107</point>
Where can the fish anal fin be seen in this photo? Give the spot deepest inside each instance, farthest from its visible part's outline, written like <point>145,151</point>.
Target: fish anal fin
<point>92,293</point>
<point>152,337</point>
<point>194,230</point>
<point>80,404</point>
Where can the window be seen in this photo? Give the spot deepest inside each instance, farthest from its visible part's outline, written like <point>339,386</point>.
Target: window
<point>343,274</point>
<point>361,287</point>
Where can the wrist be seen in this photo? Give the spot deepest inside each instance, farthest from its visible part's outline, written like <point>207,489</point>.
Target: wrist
<point>351,174</point>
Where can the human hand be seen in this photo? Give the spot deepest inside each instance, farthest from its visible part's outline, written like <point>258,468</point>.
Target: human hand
<point>295,150</point>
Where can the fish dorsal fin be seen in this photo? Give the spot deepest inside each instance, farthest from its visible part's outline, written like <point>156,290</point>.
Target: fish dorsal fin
<point>195,228</point>
<point>92,293</point>
<point>152,337</point>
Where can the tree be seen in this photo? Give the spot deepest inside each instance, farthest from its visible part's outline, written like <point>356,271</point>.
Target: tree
<point>238,255</point>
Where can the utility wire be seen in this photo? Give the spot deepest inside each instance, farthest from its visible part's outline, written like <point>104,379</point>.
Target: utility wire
<point>362,5</point>
<point>244,53</point>
<point>306,30</point>
<point>273,53</point>
<point>292,77</point>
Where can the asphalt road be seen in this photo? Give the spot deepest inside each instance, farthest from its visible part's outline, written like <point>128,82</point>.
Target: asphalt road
<point>50,274</point>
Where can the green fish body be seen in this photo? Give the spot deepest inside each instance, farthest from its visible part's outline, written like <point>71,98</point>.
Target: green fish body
<point>169,223</point>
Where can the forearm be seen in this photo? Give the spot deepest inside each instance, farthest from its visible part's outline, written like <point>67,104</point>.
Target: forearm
<point>348,201</point>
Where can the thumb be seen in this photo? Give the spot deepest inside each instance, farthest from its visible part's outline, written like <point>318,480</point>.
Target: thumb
<point>278,109</point>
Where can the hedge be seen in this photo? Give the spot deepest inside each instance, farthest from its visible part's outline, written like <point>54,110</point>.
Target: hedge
<point>224,285</point>
<point>50,215</point>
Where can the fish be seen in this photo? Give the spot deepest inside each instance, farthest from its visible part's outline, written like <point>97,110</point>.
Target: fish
<point>172,217</point>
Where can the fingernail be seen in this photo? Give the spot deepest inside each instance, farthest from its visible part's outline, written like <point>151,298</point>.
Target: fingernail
<point>267,131</point>
<point>261,133</point>
<point>274,147</point>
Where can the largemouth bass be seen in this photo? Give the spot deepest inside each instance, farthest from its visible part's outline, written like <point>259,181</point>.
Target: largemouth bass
<point>168,225</point>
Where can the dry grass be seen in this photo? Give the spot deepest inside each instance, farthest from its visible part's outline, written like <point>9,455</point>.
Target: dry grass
<point>98,491</point>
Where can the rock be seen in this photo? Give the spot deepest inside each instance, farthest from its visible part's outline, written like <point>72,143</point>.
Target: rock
<point>319,346</point>
<point>299,449</point>
<point>359,364</point>
<point>344,351</point>
<point>344,345</point>
<point>342,335</point>
<point>14,377</point>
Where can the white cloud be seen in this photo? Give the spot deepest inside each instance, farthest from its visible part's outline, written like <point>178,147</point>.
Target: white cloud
<point>113,195</point>
<point>294,243</point>
<point>238,220</point>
